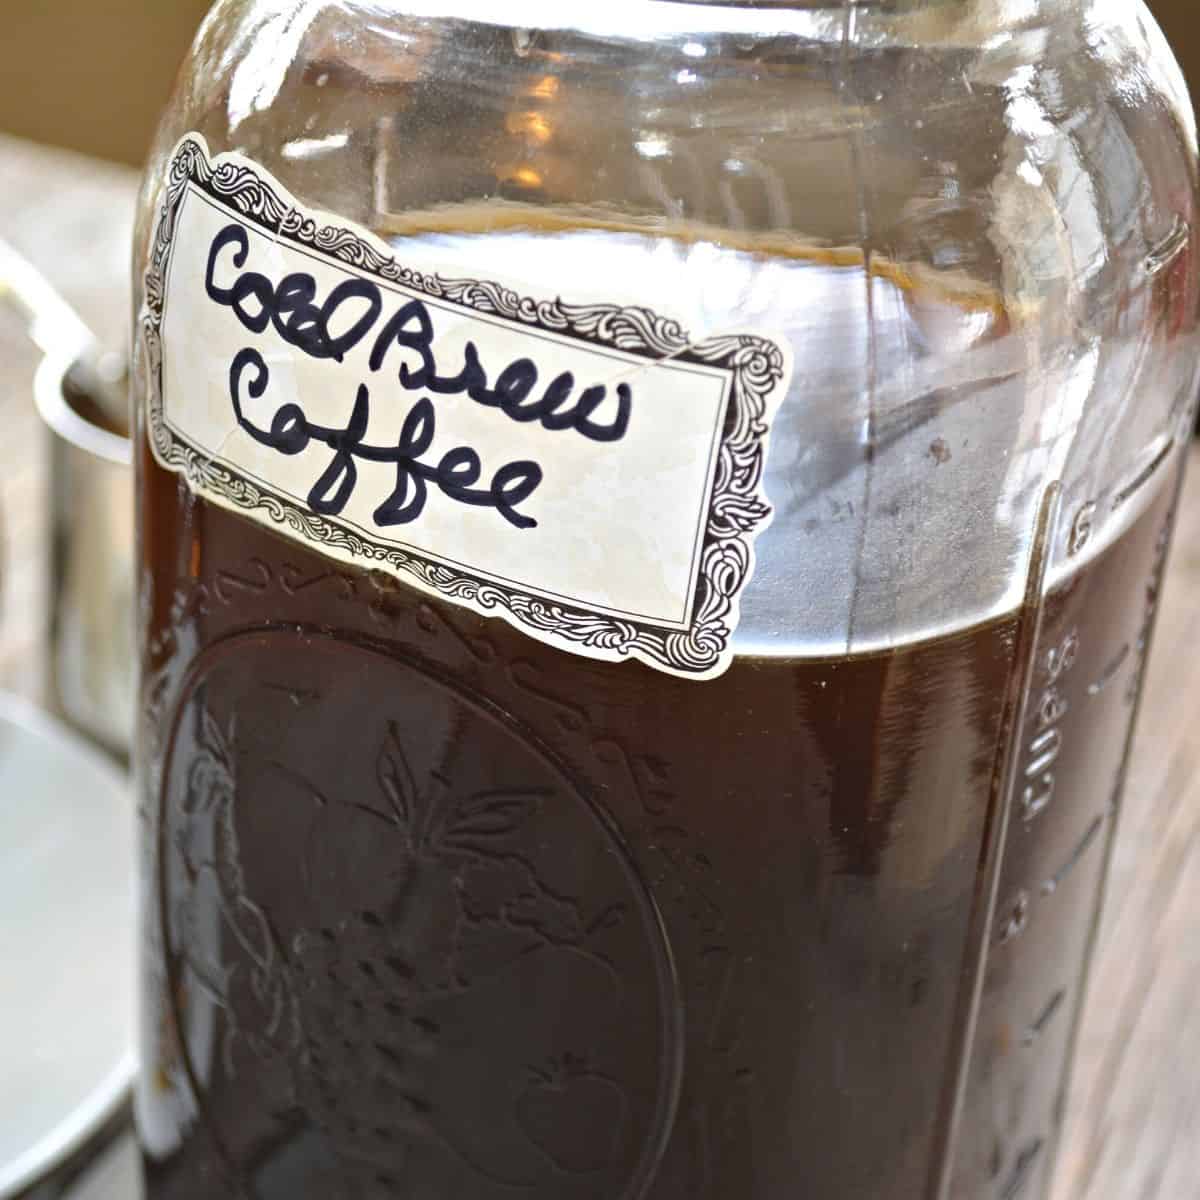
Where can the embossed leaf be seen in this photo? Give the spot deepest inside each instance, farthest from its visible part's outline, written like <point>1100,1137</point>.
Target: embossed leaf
<point>396,779</point>
<point>203,790</point>
<point>608,918</point>
<point>490,814</point>
<point>554,918</point>
<point>213,739</point>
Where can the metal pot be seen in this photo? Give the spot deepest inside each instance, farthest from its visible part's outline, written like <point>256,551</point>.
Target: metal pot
<point>78,395</point>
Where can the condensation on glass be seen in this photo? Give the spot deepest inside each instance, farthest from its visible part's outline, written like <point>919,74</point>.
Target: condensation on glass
<point>816,927</point>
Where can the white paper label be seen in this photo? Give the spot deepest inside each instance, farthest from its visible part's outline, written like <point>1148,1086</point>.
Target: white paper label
<point>584,471</point>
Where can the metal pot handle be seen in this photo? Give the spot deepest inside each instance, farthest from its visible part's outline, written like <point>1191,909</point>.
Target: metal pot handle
<point>52,324</point>
<point>69,349</point>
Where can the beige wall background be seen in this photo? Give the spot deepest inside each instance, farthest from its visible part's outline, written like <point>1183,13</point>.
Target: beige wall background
<point>92,74</point>
<point>1180,20</point>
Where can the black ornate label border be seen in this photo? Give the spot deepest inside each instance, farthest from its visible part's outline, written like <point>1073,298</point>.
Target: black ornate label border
<point>738,511</point>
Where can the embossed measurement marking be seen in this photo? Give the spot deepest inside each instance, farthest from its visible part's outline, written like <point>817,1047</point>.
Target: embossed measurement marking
<point>1059,877</point>
<point>1017,918</point>
<point>1081,528</point>
<point>1169,249</point>
<point>1022,1171</point>
<point>1144,477</point>
<point>1046,743</point>
<point>1110,672</point>
<point>1047,1015</point>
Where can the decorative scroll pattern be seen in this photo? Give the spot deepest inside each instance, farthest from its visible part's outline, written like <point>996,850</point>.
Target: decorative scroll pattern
<point>738,509</point>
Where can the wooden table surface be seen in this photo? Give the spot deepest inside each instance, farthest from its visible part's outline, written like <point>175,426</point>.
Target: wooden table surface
<point>1133,1121</point>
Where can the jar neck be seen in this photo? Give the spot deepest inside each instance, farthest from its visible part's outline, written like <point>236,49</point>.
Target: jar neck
<point>1000,13</point>
<point>910,21</point>
<point>897,22</point>
<point>1006,11</point>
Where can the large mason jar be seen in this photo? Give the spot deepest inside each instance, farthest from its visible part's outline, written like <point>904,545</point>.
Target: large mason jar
<point>651,521</point>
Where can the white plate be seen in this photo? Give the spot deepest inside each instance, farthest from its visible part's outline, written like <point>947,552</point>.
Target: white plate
<point>67,961</point>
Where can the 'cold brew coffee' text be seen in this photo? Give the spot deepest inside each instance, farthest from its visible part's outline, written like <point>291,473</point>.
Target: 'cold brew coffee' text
<point>291,307</point>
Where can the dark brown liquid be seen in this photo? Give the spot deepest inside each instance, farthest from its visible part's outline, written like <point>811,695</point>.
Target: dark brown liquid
<point>437,912</point>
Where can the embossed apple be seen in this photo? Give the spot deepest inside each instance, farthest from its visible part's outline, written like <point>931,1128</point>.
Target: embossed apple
<point>574,1115</point>
<point>429,951</point>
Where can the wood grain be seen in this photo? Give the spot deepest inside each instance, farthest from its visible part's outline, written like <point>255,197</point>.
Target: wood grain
<point>1132,1127</point>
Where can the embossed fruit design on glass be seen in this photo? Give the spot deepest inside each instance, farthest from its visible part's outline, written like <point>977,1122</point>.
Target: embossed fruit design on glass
<point>651,523</point>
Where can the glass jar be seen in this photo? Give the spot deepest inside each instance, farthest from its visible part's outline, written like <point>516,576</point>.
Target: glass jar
<point>651,523</point>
